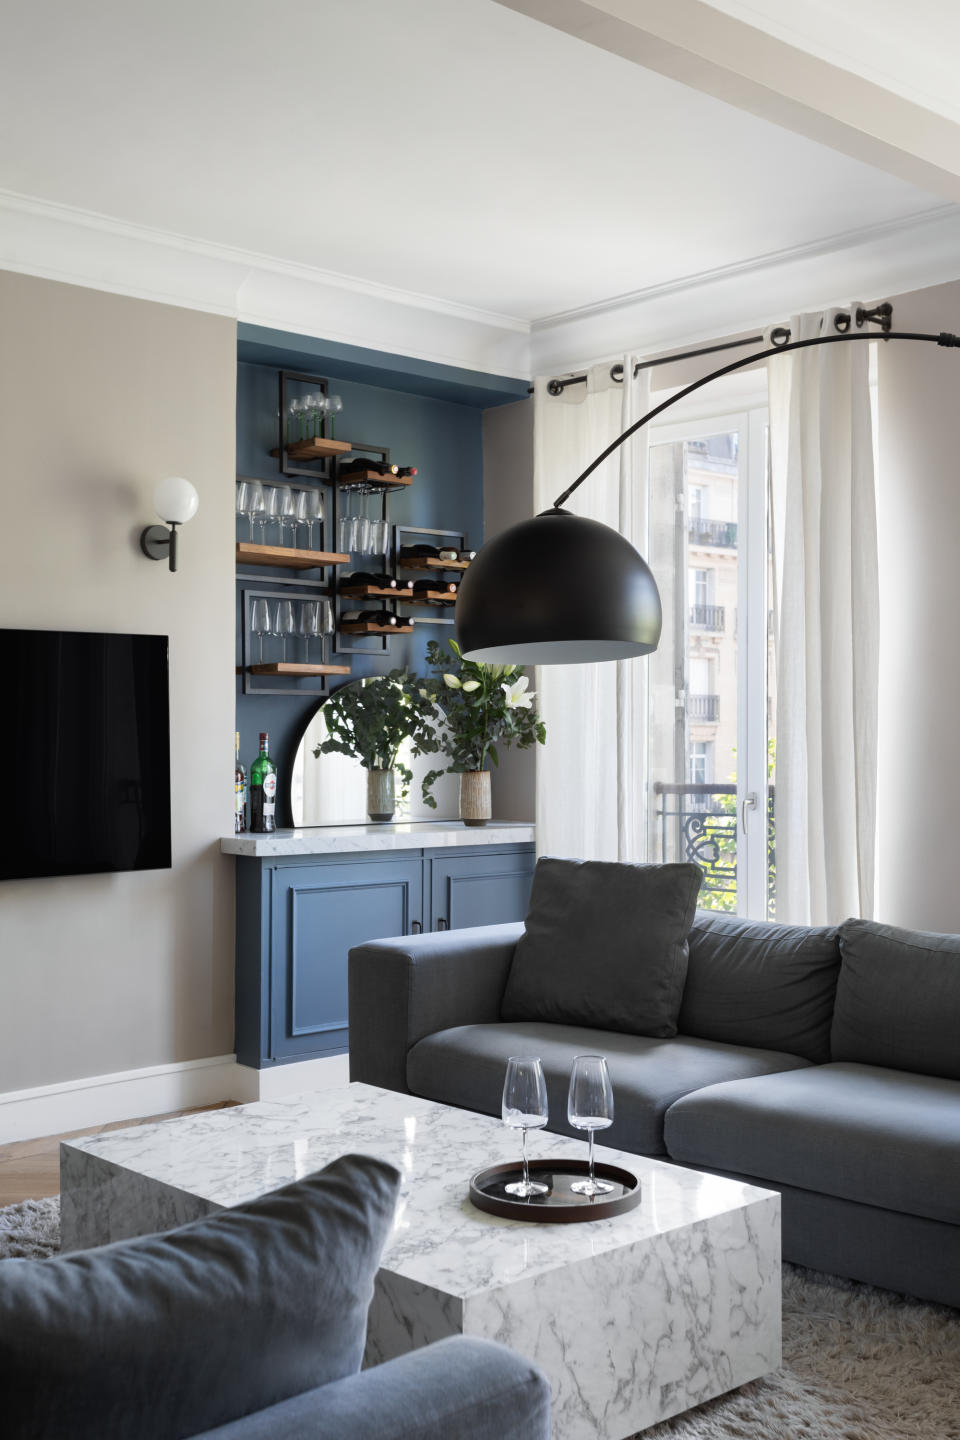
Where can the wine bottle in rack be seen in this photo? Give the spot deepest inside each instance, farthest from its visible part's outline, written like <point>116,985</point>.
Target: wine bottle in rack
<point>263,790</point>
<point>438,586</point>
<point>239,790</point>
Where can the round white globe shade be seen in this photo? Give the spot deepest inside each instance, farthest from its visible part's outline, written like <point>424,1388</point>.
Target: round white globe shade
<point>175,500</point>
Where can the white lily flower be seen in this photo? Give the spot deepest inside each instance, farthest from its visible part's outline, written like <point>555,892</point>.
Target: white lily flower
<point>471,685</point>
<point>516,698</point>
<point>452,681</point>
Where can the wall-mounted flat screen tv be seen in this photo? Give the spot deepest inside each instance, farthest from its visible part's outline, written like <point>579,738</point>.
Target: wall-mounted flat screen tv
<point>86,736</point>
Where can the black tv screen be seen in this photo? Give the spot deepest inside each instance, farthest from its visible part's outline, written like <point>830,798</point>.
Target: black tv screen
<point>87,735</point>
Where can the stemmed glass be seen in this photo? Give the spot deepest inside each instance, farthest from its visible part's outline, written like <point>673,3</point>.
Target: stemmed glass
<point>347,530</point>
<point>333,404</point>
<point>253,502</point>
<point>260,622</point>
<point>287,512</point>
<point>590,1107</point>
<point>525,1108</point>
<point>309,624</point>
<point>295,425</point>
<point>309,511</point>
<point>285,624</point>
<point>271,510</point>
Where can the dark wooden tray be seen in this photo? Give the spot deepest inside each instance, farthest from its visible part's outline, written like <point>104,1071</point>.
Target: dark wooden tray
<point>560,1205</point>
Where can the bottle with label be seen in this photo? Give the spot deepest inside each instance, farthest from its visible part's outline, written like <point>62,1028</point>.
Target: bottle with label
<point>263,790</point>
<point>239,790</point>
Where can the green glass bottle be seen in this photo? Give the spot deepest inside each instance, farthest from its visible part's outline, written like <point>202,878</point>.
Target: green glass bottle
<point>263,790</point>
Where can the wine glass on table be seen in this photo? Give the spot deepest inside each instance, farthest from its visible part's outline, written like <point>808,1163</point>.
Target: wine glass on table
<point>525,1108</point>
<point>590,1107</point>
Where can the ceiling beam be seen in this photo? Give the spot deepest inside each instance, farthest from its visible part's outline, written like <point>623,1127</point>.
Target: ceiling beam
<point>710,51</point>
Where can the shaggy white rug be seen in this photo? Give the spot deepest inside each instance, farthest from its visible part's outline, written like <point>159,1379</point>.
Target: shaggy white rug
<point>858,1363</point>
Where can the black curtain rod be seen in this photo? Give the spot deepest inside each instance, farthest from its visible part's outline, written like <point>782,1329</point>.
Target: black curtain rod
<point>881,315</point>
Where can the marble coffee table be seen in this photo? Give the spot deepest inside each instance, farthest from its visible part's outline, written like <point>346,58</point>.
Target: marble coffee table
<point>633,1319</point>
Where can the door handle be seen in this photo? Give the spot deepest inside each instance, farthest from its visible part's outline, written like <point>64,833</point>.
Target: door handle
<point>749,802</point>
<point>416,927</point>
<point>442,924</point>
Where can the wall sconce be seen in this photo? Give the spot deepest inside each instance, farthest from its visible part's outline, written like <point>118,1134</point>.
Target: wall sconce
<point>175,501</point>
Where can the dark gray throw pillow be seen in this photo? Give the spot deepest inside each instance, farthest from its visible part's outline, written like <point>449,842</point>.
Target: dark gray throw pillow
<point>754,983</point>
<point>605,945</point>
<point>898,999</point>
<point>169,1335</point>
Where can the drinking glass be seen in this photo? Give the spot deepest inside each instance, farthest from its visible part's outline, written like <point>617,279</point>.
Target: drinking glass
<point>379,537</point>
<point>347,529</point>
<point>525,1108</point>
<point>313,406</point>
<point>361,539</point>
<point>295,425</point>
<point>254,503</point>
<point>309,624</point>
<point>260,622</point>
<point>333,406</point>
<point>285,624</point>
<point>309,511</point>
<point>271,510</point>
<point>590,1107</point>
<point>287,513</point>
<point>243,491</point>
<point>324,617</point>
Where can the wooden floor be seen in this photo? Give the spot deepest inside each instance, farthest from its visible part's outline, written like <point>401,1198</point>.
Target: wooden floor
<point>30,1169</point>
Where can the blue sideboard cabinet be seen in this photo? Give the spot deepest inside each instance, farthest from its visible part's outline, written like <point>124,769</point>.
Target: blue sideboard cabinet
<point>298,915</point>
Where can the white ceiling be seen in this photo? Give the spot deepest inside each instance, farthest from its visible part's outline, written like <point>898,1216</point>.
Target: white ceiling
<point>451,148</point>
<point>911,48</point>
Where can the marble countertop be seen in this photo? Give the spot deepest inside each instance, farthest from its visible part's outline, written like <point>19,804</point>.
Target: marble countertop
<point>415,835</point>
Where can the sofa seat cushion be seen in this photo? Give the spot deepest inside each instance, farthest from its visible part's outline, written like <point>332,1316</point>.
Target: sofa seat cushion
<point>879,1137</point>
<point>750,982</point>
<point>605,946</point>
<point>465,1067</point>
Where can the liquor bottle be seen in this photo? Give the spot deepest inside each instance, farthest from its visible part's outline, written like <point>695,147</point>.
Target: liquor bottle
<point>239,790</point>
<point>263,790</point>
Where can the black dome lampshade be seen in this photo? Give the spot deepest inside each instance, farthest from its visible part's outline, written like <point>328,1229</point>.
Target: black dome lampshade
<point>557,590</point>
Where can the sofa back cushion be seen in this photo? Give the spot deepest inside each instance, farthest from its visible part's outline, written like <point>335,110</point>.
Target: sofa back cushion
<point>754,983</point>
<point>605,946</point>
<point>898,999</point>
<point>170,1335</point>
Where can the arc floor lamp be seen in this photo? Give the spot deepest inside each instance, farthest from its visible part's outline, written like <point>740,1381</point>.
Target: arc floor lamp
<point>561,589</point>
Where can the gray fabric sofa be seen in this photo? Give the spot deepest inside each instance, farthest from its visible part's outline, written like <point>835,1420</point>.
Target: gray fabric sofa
<point>823,1063</point>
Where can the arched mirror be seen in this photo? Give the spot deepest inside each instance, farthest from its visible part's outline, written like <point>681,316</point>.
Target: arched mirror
<point>340,789</point>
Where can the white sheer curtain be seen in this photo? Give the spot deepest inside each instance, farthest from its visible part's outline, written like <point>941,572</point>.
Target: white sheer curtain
<point>825,544</point>
<point>590,801</point>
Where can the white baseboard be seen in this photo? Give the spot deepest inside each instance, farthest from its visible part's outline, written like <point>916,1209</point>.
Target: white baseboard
<point>157,1090</point>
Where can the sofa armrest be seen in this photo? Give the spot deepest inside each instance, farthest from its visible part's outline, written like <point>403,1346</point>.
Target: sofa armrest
<point>415,985</point>
<point>471,1389</point>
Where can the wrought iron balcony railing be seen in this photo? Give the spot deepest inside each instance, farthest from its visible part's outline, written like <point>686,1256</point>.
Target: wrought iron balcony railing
<point>713,532</point>
<point>703,707</point>
<point>698,823</point>
<point>708,617</point>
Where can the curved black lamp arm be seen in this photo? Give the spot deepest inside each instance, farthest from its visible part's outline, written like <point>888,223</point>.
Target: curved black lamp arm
<point>944,338</point>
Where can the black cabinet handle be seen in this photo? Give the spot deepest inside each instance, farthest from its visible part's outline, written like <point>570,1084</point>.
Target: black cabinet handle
<point>417,927</point>
<point>442,924</point>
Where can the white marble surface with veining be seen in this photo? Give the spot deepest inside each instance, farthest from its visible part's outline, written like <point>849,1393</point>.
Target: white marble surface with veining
<point>633,1318</point>
<point>416,835</point>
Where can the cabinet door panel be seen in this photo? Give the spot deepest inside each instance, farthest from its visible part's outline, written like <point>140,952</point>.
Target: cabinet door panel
<point>319,913</point>
<point>484,889</point>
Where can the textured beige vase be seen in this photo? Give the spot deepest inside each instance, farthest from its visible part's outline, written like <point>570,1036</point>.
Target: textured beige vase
<point>475,797</point>
<point>381,795</point>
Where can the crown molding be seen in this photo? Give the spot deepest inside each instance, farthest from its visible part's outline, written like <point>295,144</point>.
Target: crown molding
<point>82,247</point>
<point>870,263</point>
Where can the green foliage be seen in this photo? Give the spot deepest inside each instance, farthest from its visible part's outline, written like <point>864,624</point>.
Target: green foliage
<point>715,894</point>
<point>481,707</point>
<point>369,720</point>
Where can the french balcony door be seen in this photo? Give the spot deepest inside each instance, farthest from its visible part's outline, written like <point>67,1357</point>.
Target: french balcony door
<point>711,721</point>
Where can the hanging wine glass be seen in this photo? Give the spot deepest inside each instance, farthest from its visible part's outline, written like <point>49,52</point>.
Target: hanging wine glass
<point>362,536</point>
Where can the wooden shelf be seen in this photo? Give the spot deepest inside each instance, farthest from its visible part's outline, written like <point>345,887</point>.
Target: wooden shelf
<point>284,557</point>
<point>290,667</point>
<point>433,597</point>
<point>427,562</point>
<point>315,448</point>
<point>356,627</point>
<point>360,592</point>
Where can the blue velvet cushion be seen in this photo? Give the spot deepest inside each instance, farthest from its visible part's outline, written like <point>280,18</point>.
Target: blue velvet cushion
<point>898,999</point>
<point>605,946</point>
<point>168,1335</point>
<point>753,983</point>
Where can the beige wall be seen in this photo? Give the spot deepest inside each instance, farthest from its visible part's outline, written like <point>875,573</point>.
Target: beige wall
<point>919,523</point>
<point>100,396</point>
<point>508,499</point>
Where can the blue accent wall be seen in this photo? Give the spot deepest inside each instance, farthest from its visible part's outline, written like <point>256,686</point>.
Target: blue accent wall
<point>438,434</point>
